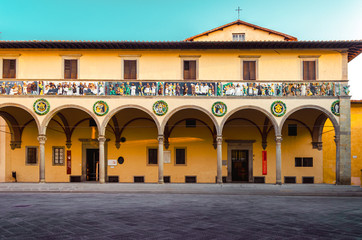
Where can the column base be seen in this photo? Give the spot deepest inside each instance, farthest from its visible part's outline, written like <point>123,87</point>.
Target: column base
<point>161,182</point>
<point>42,181</point>
<point>102,181</point>
<point>278,183</point>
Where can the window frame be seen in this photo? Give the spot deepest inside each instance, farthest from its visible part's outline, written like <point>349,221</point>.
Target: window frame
<point>248,58</point>
<point>302,162</point>
<point>70,57</point>
<point>238,34</point>
<point>9,57</point>
<point>189,58</point>
<point>148,156</point>
<point>175,154</point>
<point>53,155</point>
<point>132,58</point>
<point>26,156</point>
<point>304,58</point>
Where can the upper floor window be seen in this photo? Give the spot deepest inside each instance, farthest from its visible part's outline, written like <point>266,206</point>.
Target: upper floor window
<point>309,70</point>
<point>129,69</point>
<point>189,69</point>
<point>9,68</point>
<point>249,70</point>
<point>239,37</point>
<point>70,69</point>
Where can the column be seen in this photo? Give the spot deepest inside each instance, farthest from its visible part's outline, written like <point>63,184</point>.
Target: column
<point>337,140</point>
<point>160,159</point>
<point>344,164</point>
<point>278,158</point>
<point>219,159</point>
<point>102,169</point>
<point>42,139</point>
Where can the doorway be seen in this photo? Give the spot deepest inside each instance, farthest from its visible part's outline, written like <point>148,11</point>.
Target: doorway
<point>240,160</point>
<point>92,165</point>
<point>240,165</point>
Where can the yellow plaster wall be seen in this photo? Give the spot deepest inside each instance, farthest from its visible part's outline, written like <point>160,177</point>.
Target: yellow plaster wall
<point>16,158</point>
<point>222,65</point>
<point>329,149</point>
<point>251,34</point>
<point>300,146</point>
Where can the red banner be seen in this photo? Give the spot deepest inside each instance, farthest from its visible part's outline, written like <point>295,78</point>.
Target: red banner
<point>265,168</point>
<point>69,162</point>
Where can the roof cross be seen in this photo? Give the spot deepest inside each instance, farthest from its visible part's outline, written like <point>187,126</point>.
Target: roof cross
<point>238,10</point>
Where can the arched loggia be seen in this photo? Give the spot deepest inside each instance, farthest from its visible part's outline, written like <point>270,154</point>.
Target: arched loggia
<point>307,155</point>
<point>133,134</point>
<point>69,131</point>
<point>246,134</point>
<point>20,127</point>
<point>189,131</point>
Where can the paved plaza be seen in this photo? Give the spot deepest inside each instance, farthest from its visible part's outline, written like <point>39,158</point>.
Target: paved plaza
<point>250,214</point>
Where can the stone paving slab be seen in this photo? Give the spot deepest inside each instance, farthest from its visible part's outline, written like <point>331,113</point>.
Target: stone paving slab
<point>229,189</point>
<point>177,216</point>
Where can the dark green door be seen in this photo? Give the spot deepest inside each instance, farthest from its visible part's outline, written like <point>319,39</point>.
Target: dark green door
<point>240,165</point>
<point>92,164</point>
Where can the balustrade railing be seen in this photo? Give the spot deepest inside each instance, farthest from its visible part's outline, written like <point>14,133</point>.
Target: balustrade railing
<point>174,88</point>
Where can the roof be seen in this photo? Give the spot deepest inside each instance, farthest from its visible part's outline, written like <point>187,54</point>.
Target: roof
<point>354,48</point>
<point>239,22</point>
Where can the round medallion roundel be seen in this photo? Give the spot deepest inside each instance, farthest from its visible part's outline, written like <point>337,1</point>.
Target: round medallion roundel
<point>219,109</point>
<point>335,108</point>
<point>100,108</point>
<point>160,108</point>
<point>278,108</point>
<point>41,106</point>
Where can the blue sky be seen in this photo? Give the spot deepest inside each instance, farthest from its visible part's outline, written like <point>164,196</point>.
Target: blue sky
<point>166,20</point>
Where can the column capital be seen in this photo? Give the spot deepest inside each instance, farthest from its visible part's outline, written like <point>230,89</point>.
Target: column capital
<point>160,138</point>
<point>42,139</point>
<point>278,139</point>
<point>102,139</point>
<point>219,139</point>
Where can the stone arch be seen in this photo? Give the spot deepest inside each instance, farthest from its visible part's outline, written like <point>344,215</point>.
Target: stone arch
<point>268,115</point>
<point>185,107</point>
<point>35,117</point>
<point>116,110</point>
<point>53,112</point>
<point>326,112</point>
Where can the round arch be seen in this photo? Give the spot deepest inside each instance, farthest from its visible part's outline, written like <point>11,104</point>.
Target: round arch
<point>185,107</point>
<point>116,110</point>
<point>269,115</point>
<point>35,117</point>
<point>326,112</point>
<point>53,112</point>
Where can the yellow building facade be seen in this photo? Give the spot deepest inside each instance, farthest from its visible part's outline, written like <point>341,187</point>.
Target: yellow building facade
<point>239,103</point>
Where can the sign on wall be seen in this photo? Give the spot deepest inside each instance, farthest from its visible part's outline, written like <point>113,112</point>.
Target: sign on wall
<point>112,162</point>
<point>69,162</point>
<point>264,163</point>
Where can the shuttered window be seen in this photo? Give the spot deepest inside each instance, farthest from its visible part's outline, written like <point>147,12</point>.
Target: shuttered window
<point>180,156</point>
<point>9,68</point>
<point>71,69</point>
<point>130,69</point>
<point>190,70</point>
<point>152,156</point>
<point>31,155</point>
<point>249,70</point>
<point>58,155</point>
<point>309,70</point>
